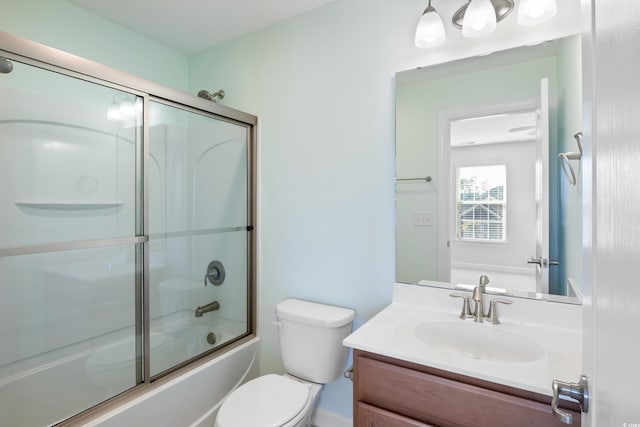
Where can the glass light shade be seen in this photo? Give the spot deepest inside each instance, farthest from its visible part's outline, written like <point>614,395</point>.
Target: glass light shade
<point>430,30</point>
<point>127,109</point>
<point>531,12</point>
<point>479,19</point>
<point>113,112</point>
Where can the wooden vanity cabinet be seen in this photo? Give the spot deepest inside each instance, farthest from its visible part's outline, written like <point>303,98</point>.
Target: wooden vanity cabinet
<point>393,393</point>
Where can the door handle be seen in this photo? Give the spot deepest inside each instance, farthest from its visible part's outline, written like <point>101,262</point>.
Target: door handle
<point>578,391</point>
<point>533,260</point>
<point>542,262</point>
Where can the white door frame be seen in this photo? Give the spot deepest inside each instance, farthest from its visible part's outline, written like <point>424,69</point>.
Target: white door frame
<point>445,176</point>
<point>611,244</point>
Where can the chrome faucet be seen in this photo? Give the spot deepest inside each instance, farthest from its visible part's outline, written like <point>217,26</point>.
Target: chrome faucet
<point>478,297</point>
<point>493,311</point>
<point>466,311</point>
<point>212,306</point>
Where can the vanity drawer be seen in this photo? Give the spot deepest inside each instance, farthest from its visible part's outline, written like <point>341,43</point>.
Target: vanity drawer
<point>443,401</point>
<point>371,416</point>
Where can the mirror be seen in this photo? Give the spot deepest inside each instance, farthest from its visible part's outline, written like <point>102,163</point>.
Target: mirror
<point>479,185</point>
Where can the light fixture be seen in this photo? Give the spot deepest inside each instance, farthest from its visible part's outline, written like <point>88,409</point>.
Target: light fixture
<point>480,17</point>
<point>476,18</point>
<point>124,109</point>
<point>127,109</point>
<point>531,12</point>
<point>113,112</point>
<point>430,30</point>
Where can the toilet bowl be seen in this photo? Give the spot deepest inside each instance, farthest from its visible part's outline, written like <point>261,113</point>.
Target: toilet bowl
<point>310,336</point>
<point>270,400</point>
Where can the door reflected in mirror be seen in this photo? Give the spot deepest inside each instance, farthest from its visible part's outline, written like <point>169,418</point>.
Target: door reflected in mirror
<point>488,131</point>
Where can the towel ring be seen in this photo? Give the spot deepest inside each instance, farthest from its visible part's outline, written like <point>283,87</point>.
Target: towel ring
<point>571,155</point>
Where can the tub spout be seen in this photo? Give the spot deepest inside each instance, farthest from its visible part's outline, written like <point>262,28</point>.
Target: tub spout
<point>212,306</point>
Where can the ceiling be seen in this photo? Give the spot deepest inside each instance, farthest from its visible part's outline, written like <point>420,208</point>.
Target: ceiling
<point>494,129</point>
<point>189,26</point>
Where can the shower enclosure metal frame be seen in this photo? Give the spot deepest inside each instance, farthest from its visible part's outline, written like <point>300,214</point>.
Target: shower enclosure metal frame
<point>31,53</point>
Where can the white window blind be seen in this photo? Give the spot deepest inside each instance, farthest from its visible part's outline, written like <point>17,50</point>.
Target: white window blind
<point>481,203</point>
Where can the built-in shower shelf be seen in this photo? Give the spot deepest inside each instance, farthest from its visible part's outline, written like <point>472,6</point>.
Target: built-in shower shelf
<point>67,206</point>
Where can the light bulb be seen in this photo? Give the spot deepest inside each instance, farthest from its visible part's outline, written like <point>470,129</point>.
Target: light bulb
<point>430,30</point>
<point>127,109</point>
<point>113,112</point>
<point>531,12</point>
<point>479,19</point>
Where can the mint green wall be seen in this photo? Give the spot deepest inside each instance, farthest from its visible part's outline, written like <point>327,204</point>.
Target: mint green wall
<point>570,112</point>
<point>323,86</point>
<point>65,26</point>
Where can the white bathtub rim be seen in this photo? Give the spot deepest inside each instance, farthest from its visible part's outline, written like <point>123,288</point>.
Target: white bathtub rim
<point>215,408</point>
<point>164,386</point>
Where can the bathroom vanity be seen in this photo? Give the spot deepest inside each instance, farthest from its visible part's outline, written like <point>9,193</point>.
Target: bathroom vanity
<point>416,363</point>
<point>393,393</point>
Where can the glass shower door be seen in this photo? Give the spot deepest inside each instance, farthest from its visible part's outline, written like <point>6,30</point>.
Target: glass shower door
<point>197,204</point>
<point>68,245</point>
<point>117,207</point>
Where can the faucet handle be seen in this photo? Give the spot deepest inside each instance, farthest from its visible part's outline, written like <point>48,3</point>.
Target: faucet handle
<point>483,282</point>
<point>215,273</point>
<point>493,311</point>
<point>466,309</point>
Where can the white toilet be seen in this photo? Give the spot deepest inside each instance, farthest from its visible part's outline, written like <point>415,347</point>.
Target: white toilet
<point>311,337</point>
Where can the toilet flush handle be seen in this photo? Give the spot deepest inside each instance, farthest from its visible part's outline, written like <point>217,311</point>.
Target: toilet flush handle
<point>278,324</point>
<point>348,374</point>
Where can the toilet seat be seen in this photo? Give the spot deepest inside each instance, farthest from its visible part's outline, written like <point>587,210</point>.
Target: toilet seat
<point>267,401</point>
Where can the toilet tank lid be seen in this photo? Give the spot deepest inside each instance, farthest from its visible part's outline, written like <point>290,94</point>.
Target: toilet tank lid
<point>312,313</point>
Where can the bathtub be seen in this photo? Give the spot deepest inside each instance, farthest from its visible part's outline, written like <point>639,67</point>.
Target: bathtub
<point>174,338</point>
<point>190,399</point>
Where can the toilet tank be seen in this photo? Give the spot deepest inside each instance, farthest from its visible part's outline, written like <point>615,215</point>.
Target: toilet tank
<point>311,337</point>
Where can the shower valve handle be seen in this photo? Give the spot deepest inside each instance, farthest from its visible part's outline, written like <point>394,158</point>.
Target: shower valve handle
<point>211,276</point>
<point>215,273</point>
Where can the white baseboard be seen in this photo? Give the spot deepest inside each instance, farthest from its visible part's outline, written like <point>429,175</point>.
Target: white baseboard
<point>322,418</point>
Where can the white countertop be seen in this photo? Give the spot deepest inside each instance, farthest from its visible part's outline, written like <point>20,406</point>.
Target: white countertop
<point>555,326</point>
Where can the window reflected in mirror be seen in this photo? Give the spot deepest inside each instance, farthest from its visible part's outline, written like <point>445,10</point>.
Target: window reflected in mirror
<point>481,203</point>
<point>523,230</point>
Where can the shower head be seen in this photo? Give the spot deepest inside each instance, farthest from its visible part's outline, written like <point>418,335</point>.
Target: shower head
<point>215,97</point>
<point>205,95</point>
<point>6,66</point>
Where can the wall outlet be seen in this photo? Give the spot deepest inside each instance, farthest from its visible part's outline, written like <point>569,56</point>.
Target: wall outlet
<point>423,219</point>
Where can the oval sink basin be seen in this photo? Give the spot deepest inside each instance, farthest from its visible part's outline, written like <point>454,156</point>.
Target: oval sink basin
<point>480,341</point>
